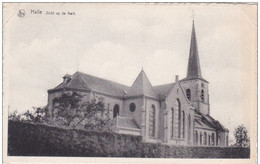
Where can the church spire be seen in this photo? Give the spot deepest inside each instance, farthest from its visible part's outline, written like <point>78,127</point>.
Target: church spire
<point>194,62</point>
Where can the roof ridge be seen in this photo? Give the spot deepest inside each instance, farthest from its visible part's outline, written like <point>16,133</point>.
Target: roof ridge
<point>102,79</point>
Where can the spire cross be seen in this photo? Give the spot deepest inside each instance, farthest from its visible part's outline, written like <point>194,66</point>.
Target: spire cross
<point>77,64</point>
<point>193,15</point>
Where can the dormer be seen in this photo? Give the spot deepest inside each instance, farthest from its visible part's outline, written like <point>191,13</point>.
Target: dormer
<point>66,78</point>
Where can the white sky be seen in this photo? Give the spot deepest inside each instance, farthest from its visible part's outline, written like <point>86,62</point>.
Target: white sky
<point>114,41</point>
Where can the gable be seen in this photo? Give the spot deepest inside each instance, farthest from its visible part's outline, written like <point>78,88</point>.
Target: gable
<point>180,93</point>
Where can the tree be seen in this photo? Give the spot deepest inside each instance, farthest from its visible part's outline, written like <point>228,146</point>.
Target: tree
<point>66,108</point>
<point>241,136</point>
<point>14,116</point>
<point>71,110</point>
<point>36,115</point>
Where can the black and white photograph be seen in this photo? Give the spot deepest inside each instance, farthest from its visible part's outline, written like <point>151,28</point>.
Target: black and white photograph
<point>129,82</point>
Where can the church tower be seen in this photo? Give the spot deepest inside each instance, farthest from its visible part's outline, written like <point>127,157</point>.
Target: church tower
<point>194,85</point>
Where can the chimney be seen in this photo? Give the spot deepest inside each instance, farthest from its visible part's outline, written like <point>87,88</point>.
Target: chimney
<point>66,78</point>
<point>176,78</point>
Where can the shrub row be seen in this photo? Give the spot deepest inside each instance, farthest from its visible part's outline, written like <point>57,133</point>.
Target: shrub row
<point>25,139</point>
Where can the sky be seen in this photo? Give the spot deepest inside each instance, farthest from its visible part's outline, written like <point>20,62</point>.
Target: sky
<point>115,41</point>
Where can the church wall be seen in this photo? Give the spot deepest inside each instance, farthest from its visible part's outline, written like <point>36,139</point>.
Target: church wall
<point>137,114</point>
<point>222,140</point>
<point>148,106</point>
<point>176,93</point>
<point>110,103</point>
<point>209,132</point>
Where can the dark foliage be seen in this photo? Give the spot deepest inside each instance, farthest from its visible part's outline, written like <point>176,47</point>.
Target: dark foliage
<point>241,135</point>
<point>36,115</point>
<point>26,139</point>
<point>71,111</point>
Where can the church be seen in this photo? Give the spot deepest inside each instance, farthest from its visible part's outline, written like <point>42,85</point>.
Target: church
<point>177,113</point>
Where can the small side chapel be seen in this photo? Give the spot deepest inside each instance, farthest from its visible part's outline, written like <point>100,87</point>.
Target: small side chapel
<point>174,114</point>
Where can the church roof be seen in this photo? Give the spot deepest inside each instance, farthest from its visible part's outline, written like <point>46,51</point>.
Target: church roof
<point>75,82</point>
<point>84,81</point>
<point>163,90</point>
<point>216,124</point>
<point>201,124</point>
<point>194,71</point>
<point>142,86</point>
<point>208,121</point>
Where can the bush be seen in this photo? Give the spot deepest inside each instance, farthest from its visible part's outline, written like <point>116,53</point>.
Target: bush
<point>25,139</point>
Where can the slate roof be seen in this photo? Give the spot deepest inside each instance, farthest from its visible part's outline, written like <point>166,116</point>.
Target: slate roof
<point>142,86</point>
<point>216,124</point>
<point>84,81</point>
<point>207,121</point>
<point>201,124</point>
<point>163,90</point>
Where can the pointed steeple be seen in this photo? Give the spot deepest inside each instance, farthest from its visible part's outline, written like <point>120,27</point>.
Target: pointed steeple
<point>141,86</point>
<point>194,62</point>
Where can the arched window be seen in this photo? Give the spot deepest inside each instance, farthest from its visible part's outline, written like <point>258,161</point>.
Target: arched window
<point>202,95</point>
<point>183,124</point>
<point>189,129</point>
<point>205,138</point>
<point>213,138</point>
<point>116,111</point>
<point>188,94</point>
<point>152,121</point>
<point>200,138</point>
<point>172,122</point>
<point>209,141</point>
<point>196,138</point>
<point>178,118</point>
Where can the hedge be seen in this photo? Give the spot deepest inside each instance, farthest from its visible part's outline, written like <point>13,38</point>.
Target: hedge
<point>25,139</point>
